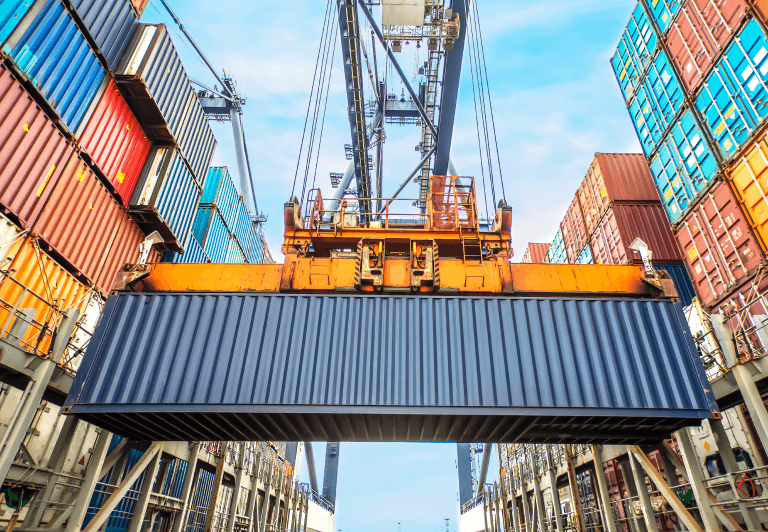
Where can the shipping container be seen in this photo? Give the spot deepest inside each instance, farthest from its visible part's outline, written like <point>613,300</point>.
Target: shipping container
<point>683,166</point>
<point>40,284</point>
<point>243,224</point>
<point>220,190</point>
<point>699,34</point>
<point>196,140</point>
<point>114,141</point>
<point>235,254</point>
<point>11,13</point>
<point>139,6</point>
<point>574,368</point>
<point>732,99</point>
<point>614,177</point>
<point>718,244</point>
<point>80,219</point>
<point>193,253</point>
<point>50,50</point>
<point>664,12</point>
<point>682,280</point>
<point>110,23</point>
<point>638,43</point>
<point>255,251</point>
<point>749,178</point>
<point>125,249</point>
<point>166,198</point>
<point>556,253</point>
<point>33,153</point>
<point>747,310</point>
<point>627,68</point>
<point>585,256</point>
<point>761,9</point>
<point>535,253</point>
<point>622,224</point>
<point>209,229</point>
<point>155,83</point>
<point>574,230</point>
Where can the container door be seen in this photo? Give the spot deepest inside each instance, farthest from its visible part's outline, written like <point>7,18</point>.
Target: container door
<point>750,181</point>
<point>745,63</point>
<point>640,37</point>
<point>645,120</point>
<point>663,12</point>
<point>626,68</point>
<point>664,90</point>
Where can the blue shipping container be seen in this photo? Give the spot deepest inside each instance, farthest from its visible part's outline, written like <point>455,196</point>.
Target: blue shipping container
<point>235,253</point>
<point>664,12</point>
<point>48,47</point>
<point>11,13</point>
<point>243,223</point>
<point>111,24</point>
<point>639,42</point>
<point>586,257</point>
<point>201,498</point>
<point>220,190</point>
<point>682,166</point>
<point>627,68</point>
<point>682,280</point>
<point>556,253</point>
<point>255,251</point>
<point>193,253</point>
<point>210,231</point>
<point>734,97</point>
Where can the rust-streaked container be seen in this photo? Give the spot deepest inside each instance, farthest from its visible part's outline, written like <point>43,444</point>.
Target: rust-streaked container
<point>80,219</point>
<point>115,142</point>
<point>747,312</point>
<point>50,290</point>
<point>614,177</point>
<point>625,222</point>
<point>718,244</point>
<point>535,253</point>
<point>33,152</point>
<point>124,250</point>
<point>749,178</point>
<point>574,230</point>
<point>699,34</point>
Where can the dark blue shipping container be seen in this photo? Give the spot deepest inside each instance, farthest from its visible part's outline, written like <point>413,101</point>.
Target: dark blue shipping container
<point>111,24</point>
<point>193,253</point>
<point>49,48</point>
<point>202,366</point>
<point>682,280</point>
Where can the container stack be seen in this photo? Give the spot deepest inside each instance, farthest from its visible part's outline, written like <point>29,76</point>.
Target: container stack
<point>535,253</point>
<point>694,77</point>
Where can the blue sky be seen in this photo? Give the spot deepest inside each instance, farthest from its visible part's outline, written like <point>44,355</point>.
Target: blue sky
<point>556,103</point>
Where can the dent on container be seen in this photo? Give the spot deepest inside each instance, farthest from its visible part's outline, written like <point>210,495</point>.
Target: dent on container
<point>574,230</point>
<point>749,176</point>
<point>115,142</point>
<point>110,23</point>
<point>33,153</point>
<point>535,253</point>
<point>48,48</point>
<point>719,246</point>
<point>80,219</point>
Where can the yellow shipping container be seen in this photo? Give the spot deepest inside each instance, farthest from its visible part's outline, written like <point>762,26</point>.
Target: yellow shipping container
<point>749,180</point>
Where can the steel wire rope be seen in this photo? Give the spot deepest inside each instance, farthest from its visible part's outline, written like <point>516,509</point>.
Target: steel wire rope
<point>324,45</point>
<point>309,103</point>
<point>325,108</point>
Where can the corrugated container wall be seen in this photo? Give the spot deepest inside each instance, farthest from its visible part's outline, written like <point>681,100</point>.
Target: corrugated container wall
<point>585,256</point>
<point>255,251</point>
<point>235,253</point>
<point>212,234</point>
<point>535,253</point>
<point>49,48</point>
<point>638,43</point>
<point>196,141</point>
<point>749,178</point>
<point>747,309</point>
<point>11,13</point>
<point>574,230</point>
<point>115,142</point>
<point>220,190</point>
<point>556,253</point>
<point>718,244</point>
<point>111,24</point>
<point>125,249</point>
<point>682,280</point>
<point>80,219</point>
<point>663,12</point>
<point>193,253</point>
<point>243,223</point>
<point>33,153</point>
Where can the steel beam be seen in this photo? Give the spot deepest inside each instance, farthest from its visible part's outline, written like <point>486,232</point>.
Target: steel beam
<point>253,510</point>
<point>216,487</point>
<point>310,453</point>
<point>239,474</point>
<point>140,508</point>
<point>464,464</point>
<point>186,491</point>
<point>552,477</point>
<point>602,488</point>
<point>331,472</point>
<point>703,499</point>
<point>642,493</point>
<point>484,466</point>
<point>578,514</point>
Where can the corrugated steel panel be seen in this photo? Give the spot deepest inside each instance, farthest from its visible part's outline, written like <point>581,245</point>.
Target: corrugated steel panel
<point>11,13</point>
<point>698,35</point>
<point>625,222</point>
<point>574,230</point>
<point>556,253</point>
<point>749,178</point>
<point>585,257</point>
<point>255,251</point>
<point>733,95</point>
<point>220,190</point>
<point>193,253</point>
<point>683,166</point>
<point>47,285</point>
<point>535,253</point>
<point>747,309</point>
<point>33,153</point>
<point>235,253</point>
<point>664,12</point>
<point>139,6</point>
<point>242,221</point>
<point>719,247</point>
<point>115,142</point>
<point>196,140</point>
<point>682,280</point>
<point>638,43</point>
<point>213,235</point>
<point>110,23</point>
<point>627,67</point>
<point>179,367</point>
<point>49,48</point>
<point>155,83</point>
<point>166,197</point>
<point>80,219</point>
<point>125,249</point>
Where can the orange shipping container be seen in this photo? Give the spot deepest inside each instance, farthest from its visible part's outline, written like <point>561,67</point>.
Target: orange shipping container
<point>761,7</point>
<point>749,176</point>
<point>50,290</point>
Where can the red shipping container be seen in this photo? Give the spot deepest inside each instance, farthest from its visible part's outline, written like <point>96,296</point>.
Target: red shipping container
<point>700,31</point>
<point>115,142</point>
<point>139,6</point>
<point>614,177</point>
<point>124,250</point>
<point>718,245</point>
<point>747,309</point>
<point>574,230</point>
<point>535,253</point>
<point>625,222</point>
<point>80,219</point>
<point>33,153</point>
